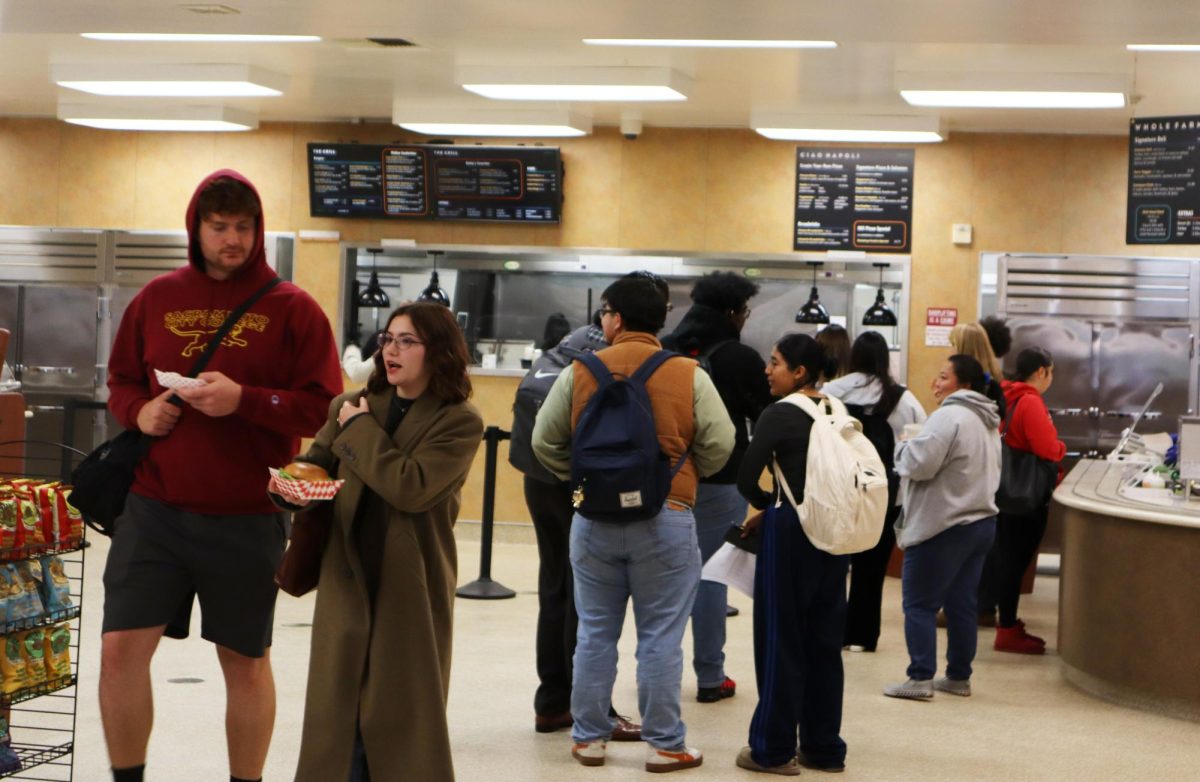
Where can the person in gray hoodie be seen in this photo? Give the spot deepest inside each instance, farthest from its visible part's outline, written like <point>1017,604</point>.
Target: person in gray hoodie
<point>947,527</point>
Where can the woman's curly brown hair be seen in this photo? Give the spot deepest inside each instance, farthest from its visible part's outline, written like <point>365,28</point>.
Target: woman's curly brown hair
<point>445,352</point>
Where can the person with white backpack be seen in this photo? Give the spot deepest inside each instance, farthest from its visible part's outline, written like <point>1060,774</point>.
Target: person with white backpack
<point>830,499</point>
<point>947,527</point>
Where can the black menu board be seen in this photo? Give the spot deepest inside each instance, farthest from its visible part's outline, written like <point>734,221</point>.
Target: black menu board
<point>435,182</point>
<point>1164,203</point>
<point>854,199</point>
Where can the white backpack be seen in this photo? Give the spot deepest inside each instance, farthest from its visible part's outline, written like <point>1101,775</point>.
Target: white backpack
<point>846,485</point>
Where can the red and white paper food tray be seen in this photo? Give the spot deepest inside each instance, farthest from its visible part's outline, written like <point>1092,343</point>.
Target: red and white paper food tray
<point>174,380</point>
<point>304,491</point>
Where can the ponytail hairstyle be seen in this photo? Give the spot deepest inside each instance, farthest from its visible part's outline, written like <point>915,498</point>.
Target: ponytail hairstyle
<point>801,350</point>
<point>1030,360</point>
<point>869,355</point>
<point>970,375</point>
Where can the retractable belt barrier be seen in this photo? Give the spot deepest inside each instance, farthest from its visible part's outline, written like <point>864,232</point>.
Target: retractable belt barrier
<point>484,588</point>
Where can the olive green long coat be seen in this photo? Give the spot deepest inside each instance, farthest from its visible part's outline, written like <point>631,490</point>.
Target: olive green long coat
<point>388,670</point>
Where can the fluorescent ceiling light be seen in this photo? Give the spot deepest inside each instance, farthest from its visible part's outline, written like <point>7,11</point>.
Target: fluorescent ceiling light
<point>443,120</point>
<point>201,37</point>
<point>710,43</point>
<point>848,128</point>
<point>1163,47</point>
<point>1014,90</point>
<point>181,118</point>
<point>576,84</point>
<point>171,80</point>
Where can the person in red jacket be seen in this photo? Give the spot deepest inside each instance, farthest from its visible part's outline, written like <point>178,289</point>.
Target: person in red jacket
<point>1029,428</point>
<point>197,522</point>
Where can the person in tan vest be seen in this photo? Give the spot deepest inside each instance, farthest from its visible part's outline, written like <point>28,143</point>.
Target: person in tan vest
<point>656,562</point>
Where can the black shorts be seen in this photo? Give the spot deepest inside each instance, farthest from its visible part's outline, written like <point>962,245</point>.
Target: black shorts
<point>162,558</point>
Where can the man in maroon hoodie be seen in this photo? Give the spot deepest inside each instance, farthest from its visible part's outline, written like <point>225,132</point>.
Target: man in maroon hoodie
<point>198,522</point>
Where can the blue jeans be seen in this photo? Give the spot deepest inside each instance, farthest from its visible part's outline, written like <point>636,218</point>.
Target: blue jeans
<point>718,507</point>
<point>943,572</point>
<point>657,563</point>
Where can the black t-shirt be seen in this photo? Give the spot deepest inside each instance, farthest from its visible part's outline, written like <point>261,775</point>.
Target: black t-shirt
<point>781,433</point>
<point>370,527</point>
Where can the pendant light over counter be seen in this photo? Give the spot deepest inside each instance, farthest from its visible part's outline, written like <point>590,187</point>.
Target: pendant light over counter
<point>374,295</point>
<point>433,291</point>
<point>813,311</point>
<point>880,314</point>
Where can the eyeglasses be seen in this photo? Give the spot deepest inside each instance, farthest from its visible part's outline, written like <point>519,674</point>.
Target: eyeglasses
<point>600,313</point>
<point>403,342</point>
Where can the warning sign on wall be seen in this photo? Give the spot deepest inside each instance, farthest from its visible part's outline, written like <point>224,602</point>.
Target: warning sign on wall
<point>938,322</point>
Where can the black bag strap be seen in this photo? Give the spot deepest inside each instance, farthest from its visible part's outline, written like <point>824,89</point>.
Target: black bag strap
<point>225,328</point>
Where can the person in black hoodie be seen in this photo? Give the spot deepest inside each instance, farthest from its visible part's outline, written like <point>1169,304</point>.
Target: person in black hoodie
<point>710,332</point>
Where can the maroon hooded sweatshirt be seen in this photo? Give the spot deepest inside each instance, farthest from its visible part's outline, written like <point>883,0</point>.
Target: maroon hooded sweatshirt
<point>281,352</point>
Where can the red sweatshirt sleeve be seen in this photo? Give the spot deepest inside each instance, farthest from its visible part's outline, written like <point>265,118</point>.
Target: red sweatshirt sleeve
<point>128,386</point>
<point>1032,420</point>
<point>300,409</point>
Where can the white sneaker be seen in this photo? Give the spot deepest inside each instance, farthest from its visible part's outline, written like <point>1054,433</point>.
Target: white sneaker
<point>662,760</point>
<point>590,753</point>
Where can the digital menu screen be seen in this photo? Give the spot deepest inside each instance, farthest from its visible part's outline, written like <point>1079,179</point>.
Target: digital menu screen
<point>1163,206</point>
<point>436,182</point>
<point>854,199</point>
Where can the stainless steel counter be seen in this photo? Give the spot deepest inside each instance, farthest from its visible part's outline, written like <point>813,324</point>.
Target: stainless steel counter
<point>1098,486</point>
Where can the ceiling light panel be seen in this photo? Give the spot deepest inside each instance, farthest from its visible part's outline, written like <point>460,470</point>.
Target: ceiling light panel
<point>201,38</point>
<point>849,128</point>
<point>576,84</point>
<point>447,120</point>
<point>170,80</point>
<point>1163,47</point>
<point>710,43</point>
<point>1014,90</point>
<point>178,118</point>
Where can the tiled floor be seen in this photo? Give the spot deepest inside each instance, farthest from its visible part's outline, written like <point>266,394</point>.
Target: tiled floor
<point>1023,722</point>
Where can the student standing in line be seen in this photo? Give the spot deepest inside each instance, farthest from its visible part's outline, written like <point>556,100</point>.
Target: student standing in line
<point>885,408</point>
<point>799,590</point>
<point>948,524</point>
<point>711,330</point>
<point>835,341</point>
<point>1029,428</point>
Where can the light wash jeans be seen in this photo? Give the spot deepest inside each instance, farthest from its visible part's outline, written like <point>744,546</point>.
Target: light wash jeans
<point>657,563</point>
<point>718,507</point>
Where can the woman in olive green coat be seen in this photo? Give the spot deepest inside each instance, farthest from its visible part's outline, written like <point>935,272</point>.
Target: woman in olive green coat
<point>379,673</point>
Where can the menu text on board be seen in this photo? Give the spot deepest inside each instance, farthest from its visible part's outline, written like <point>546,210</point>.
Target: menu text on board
<point>1164,202</point>
<point>853,199</point>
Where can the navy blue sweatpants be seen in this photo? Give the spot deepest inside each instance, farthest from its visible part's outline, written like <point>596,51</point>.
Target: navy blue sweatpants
<point>799,618</point>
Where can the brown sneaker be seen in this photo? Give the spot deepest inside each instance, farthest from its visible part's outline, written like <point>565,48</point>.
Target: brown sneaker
<point>745,759</point>
<point>663,760</point>
<point>626,730</point>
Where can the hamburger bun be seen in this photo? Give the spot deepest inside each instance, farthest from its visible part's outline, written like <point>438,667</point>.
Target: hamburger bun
<point>303,471</point>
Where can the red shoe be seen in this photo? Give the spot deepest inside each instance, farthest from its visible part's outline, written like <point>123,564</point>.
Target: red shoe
<point>1021,625</point>
<point>1013,639</point>
<point>726,689</point>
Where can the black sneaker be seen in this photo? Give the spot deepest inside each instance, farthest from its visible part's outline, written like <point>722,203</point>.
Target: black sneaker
<point>726,689</point>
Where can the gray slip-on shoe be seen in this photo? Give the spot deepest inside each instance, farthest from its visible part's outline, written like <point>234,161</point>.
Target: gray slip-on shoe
<point>912,689</point>
<point>953,686</point>
<point>745,760</point>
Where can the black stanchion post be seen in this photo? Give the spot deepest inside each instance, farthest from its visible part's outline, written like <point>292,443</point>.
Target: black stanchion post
<point>484,588</point>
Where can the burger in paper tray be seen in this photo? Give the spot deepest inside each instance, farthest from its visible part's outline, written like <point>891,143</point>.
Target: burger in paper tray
<point>304,482</point>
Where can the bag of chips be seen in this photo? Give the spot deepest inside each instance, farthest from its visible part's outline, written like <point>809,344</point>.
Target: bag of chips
<point>33,652</point>
<point>74,521</point>
<point>31,533</point>
<point>8,522</point>
<point>9,761</point>
<point>54,586</point>
<point>24,601</point>
<point>58,652</point>
<point>14,674</point>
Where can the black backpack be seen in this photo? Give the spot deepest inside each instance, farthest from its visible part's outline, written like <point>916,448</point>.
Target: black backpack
<point>619,472</point>
<point>876,428</point>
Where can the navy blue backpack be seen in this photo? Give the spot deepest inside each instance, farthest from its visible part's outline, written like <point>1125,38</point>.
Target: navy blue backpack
<point>618,469</point>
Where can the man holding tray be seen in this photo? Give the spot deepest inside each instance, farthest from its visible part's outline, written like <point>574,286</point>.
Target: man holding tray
<point>197,522</point>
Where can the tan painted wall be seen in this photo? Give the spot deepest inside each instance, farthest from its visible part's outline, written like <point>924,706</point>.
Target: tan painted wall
<point>671,189</point>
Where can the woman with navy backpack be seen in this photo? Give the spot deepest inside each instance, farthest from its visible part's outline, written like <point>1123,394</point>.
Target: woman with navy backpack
<point>884,407</point>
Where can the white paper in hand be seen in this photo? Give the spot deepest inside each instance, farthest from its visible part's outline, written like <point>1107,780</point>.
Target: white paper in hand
<point>732,566</point>
<point>176,380</point>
